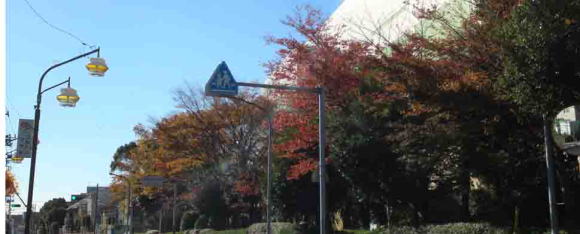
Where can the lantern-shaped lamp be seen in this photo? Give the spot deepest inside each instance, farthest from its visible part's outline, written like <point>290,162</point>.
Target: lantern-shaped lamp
<point>97,67</point>
<point>17,159</point>
<point>68,97</point>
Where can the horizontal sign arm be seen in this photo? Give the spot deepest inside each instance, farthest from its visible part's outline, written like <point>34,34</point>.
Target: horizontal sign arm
<point>267,86</point>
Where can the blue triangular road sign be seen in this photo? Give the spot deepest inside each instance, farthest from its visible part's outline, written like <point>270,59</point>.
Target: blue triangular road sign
<point>221,82</point>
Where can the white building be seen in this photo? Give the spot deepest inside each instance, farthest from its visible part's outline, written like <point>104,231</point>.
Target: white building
<point>383,21</point>
<point>565,119</point>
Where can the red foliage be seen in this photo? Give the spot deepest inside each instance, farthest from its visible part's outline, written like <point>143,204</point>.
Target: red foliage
<point>247,185</point>
<point>323,61</point>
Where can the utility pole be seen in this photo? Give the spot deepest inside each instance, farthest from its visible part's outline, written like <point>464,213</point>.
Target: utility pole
<point>550,172</point>
<point>174,203</point>
<point>11,222</point>
<point>96,209</point>
<point>129,211</point>
<point>160,219</point>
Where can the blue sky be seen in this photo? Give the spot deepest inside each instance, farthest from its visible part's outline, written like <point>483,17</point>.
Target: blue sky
<point>152,48</point>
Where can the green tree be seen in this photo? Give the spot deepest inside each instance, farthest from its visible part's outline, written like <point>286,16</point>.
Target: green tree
<point>54,211</point>
<point>542,51</point>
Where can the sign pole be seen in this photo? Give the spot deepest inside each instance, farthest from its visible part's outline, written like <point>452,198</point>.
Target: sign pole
<point>321,161</point>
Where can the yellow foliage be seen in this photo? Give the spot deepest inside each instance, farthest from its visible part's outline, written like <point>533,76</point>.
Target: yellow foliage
<point>337,223</point>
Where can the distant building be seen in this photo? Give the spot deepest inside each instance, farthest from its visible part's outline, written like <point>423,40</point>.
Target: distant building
<point>567,122</point>
<point>17,223</point>
<point>81,214</point>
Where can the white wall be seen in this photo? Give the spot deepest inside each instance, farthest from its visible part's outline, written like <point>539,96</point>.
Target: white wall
<point>366,19</point>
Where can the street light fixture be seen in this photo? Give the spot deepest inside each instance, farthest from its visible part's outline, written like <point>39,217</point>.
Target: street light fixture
<point>69,98</point>
<point>97,66</point>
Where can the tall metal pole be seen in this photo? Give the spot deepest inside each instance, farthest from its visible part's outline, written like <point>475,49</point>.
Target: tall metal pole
<point>321,161</point>
<point>35,138</point>
<point>128,221</point>
<point>161,219</point>
<point>10,219</point>
<point>550,172</point>
<point>269,185</point>
<point>270,113</point>
<point>174,203</point>
<point>96,210</point>
<point>131,218</point>
<point>32,164</point>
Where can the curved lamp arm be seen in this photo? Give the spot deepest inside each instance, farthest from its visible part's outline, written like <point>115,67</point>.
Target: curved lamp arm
<point>39,95</point>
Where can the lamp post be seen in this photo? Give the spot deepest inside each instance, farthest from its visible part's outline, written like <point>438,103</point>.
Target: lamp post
<point>128,215</point>
<point>548,141</point>
<point>67,98</point>
<point>159,181</point>
<point>174,182</point>
<point>321,141</point>
<point>269,113</point>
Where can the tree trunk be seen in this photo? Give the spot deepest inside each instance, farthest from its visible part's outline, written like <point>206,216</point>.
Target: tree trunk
<point>465,190</point>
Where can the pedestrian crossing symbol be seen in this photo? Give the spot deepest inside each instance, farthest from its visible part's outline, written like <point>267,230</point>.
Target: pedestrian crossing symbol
<point>221,82</point>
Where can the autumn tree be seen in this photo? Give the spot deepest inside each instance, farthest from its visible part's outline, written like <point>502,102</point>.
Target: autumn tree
<point>421,112</point>
<point>211,142</point>
<point>11,185</point>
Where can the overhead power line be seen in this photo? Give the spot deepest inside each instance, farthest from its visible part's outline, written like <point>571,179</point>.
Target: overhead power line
<point>53,26</point>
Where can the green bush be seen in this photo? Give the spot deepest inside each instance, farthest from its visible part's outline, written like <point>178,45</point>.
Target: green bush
<point>187,221</point>
<point>457,228</point>
<point>234,231</point>
<point>54,227</point>
<point>277,228</point>
<point>206,231</point>
<point>201,222</point>
<point>401,230</point>
<point>464,228</point>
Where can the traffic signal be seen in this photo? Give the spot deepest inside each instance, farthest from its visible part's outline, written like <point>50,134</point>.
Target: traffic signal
<point>77,197</point>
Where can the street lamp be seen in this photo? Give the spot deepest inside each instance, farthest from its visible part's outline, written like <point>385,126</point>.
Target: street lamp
<point>69,98</point>
<point>97,67</point>
<point>129,216</point>
<point>269,113</point>
<point>158,181</point>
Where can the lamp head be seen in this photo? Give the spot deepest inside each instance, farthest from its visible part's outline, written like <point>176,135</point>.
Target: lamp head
<point>68,97</point>
<point>97,67</point>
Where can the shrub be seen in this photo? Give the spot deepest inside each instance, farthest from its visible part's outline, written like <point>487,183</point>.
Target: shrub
<point>464,228</point>
<point>337,222</point>
<point>233,231</point>
<point>152,232</point>
<point>187,221</point>
<point>201,222</point>
<point>205,231</point>
<point>277,228</point>
<point>401,230</point>
<point>54,227</point>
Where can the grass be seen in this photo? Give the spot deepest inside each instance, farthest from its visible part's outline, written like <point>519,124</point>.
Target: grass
<point>360,231</point>
<point>233,231</point>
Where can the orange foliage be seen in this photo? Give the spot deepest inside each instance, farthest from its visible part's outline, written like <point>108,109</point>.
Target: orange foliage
<point>11,185</point>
